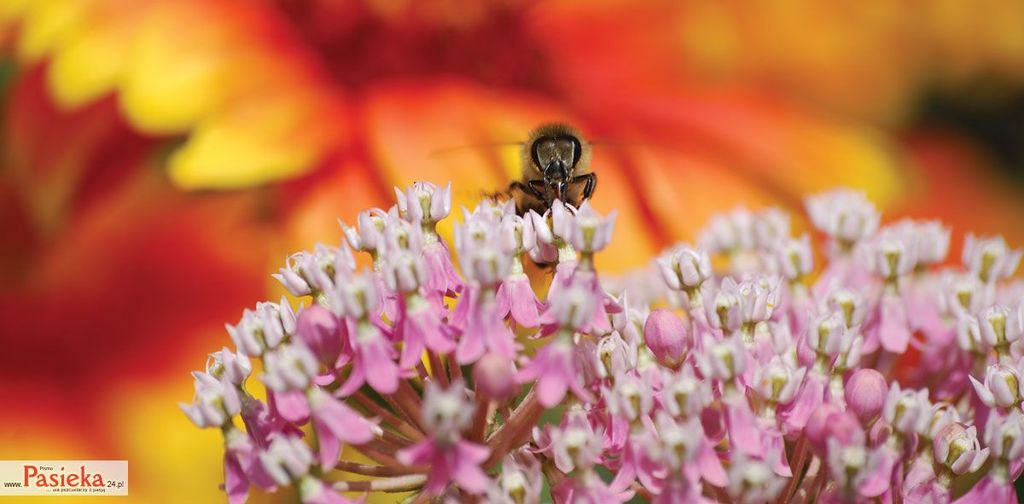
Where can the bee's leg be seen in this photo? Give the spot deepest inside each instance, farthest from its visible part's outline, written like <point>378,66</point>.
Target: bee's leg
<point>591,183</point>
<point>526,197</point>
<point>528,188</point>
<point>538,185</point>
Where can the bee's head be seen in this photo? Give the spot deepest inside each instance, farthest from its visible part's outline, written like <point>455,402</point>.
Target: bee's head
<point>556,156</point>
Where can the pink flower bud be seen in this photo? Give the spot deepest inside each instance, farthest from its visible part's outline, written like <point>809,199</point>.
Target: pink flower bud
<point>829,423</point>
<point>318,328</point>
<point>865,394</point>
<point>495,378</point>
<point>667,337</point>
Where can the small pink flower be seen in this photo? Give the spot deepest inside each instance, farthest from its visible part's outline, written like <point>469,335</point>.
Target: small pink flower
<point>729,232</point>
<point>520,480</point>
<point>590,232</point>
<point>957,447</point>
<point>859,471</point>
<point>242,467</point>
<point>478,242</point>
<point>556,372</point>
<point>369,236</point>
<point>684,268</point>
<point>442,278</point>
<point>1005,437</point>
<point>845,215</point>
<point>905,409</point>
<point>575,444</point>
<point>630,399</point>
<point>545,250</point>
<point>286,459</point>
<point>320,331</point>
<point>516,298</point>
<point>752,480</point>
<point>724,312</point>
<point>930,239</point>
<point>483,330</point>
<point>216,401</point>
<point>1002,388</point>
<point>449,457</point>
<point>777,381</point>
<point>989,257</point>
<point>998,329</point>
<point>893,252</point>
<point>420,325</point>
<point>373,361</point>
<point>683,394</point>
<point>614,357</point>
<point>336,423</point>
<point>683,445</point>
<point>724,360</point>
<point>795,257</point>
<point>234,367</point>
<point>424,203</point>
<point>810,396</point>
<point>403,267</point>
<point>579,305</point>
<point>264,328</point>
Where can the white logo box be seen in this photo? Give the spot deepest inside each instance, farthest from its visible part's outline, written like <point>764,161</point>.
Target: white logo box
<point>64,477</point>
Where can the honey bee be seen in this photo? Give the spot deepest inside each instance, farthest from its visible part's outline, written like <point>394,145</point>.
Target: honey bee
<point>556,165</point>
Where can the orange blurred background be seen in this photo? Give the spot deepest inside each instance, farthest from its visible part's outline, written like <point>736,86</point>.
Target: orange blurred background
<point>161,157</point>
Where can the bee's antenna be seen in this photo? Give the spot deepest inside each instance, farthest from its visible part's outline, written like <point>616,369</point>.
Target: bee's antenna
<point>448,150</point>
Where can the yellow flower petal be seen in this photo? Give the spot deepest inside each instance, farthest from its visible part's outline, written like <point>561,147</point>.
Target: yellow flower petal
<point>46,24</point>
<point>91,59</point>
<point>171,80</point>
<point>266,140</point>
<point>12,10</point>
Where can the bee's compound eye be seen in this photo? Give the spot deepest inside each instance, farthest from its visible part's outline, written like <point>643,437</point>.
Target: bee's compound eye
<point>544,151</point>
<point>569,150</point>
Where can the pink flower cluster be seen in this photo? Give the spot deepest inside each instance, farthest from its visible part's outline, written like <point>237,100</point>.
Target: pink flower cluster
<point>880,375</point>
